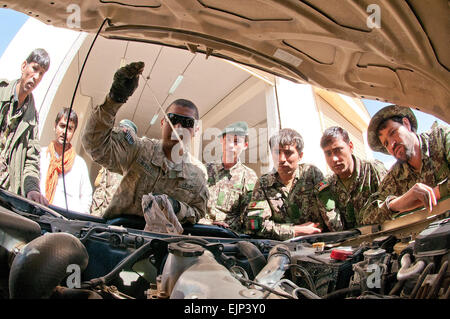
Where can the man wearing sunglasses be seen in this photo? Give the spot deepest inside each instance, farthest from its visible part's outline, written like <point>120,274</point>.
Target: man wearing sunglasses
<point>149,166</point>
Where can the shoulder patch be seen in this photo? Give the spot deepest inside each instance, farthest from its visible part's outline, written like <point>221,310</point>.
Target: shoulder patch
<point>128,136</point>
<point>322,185</point>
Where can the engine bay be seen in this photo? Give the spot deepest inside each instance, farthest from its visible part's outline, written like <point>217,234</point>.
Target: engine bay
<point>46,255</point>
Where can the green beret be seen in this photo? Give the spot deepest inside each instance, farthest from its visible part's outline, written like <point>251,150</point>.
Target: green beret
<point>237,128</point>
<point>386,113</point>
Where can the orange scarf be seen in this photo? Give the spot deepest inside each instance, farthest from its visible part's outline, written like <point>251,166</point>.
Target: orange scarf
<point>55,168</point>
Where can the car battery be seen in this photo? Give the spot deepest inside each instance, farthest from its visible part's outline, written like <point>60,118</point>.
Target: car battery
<point>433,240</point>
<point>330,270</point>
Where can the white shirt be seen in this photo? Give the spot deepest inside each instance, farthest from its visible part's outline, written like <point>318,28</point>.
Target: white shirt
<point>78,185</point>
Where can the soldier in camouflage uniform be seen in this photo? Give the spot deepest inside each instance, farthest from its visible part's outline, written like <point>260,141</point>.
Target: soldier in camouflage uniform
<point>147,165</point>
<point>107,182</point>
<point>344,193</point>
<point>283,204</point>
<point>230,182</point>
<point>19,143</point>
<point>420,175</point>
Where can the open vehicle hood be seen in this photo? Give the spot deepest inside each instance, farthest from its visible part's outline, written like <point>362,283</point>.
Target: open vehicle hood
<point>334,44</point>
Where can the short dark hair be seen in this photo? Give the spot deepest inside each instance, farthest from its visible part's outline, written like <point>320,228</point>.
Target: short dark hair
<point>332,133</point>
<point>287,136</point>
<point>185,103</point>
<point>396,118</point>
<point>41,57</point>
<point>65,112</point>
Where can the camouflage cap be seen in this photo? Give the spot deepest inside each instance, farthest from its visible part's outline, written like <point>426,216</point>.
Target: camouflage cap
<point>237,128</point>
<point>384,114</point>
<point>129,124</point>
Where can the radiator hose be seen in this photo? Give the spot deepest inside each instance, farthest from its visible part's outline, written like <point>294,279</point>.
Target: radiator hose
<point>254,256</point>
<point>43,263</point>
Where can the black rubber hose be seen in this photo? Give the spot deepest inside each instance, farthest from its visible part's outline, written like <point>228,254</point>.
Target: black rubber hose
<point>18,227</point>
<point>397,288</point>
<point>424,273</point>
<point>437,281</point>
<point>338,293</point>
<point>255,257</point>
<point>42,265</point>
<point>128,261</point>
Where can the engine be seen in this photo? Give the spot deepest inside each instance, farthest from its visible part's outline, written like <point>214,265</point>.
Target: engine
<point>114,263</point>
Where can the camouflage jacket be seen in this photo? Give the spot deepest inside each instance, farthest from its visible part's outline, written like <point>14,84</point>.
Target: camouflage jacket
<point>19,145</point>
<point>144,167</point>
<point>435,150</point>
<point>274,210</point>
<point>341,205</point>
<point>104,191</point>
<point>230,192</point>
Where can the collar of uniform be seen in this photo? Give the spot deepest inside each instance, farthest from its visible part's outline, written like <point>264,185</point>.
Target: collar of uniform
<point>424,149</point>
<point>234,167</point>
<point>424,146</point>
<point>10,91</point>
<point>15,99</point>
<point>334,178</point>
<point>275,177</point>
<point>356,165</point>
<point>159,159</point>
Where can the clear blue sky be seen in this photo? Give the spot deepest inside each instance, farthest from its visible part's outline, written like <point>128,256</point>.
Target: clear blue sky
<point>10,22</point>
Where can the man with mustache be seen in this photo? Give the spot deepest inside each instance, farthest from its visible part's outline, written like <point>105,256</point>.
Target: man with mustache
<point>159,167</point>
<point>344,193</point>
<point>230,182</point>
<point>420,175</point>
<point>77,189</point>
<point>283,203</point>
<point>19,144</point>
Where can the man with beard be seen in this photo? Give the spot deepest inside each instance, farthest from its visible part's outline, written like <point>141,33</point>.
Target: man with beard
<point>76,187</point>
<point>420,175</point>
<point>164,169</point>
<point>19,137</point>
<point>283,203</point>
<point>344,193</point>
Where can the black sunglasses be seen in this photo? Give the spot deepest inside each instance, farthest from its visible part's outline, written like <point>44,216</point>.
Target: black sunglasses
<point>185,121</point>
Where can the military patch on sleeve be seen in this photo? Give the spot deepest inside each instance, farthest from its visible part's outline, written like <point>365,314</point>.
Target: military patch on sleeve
<point>257,205</point>
<point>220,199</point>
<point>254,221</point>
<point>322,185</point>
<point>189,186</point>
<point>128,136</point>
